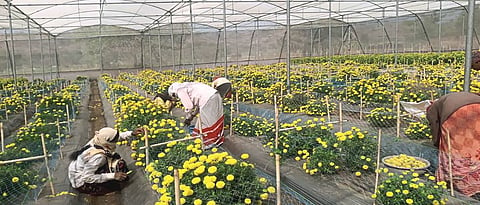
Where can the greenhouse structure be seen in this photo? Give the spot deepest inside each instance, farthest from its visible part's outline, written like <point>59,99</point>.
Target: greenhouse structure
<point>331,102</point>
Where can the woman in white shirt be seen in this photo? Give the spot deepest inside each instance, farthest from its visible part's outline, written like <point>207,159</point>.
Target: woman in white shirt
<point>199,98</point>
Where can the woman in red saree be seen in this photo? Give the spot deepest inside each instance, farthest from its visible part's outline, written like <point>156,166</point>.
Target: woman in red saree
<point>457,114</point>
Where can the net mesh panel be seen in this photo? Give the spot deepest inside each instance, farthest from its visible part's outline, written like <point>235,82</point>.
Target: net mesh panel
<point>23,181</point>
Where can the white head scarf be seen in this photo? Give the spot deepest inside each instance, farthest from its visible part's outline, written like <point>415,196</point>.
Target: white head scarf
<point>107,138</point>
<point>172,90</point>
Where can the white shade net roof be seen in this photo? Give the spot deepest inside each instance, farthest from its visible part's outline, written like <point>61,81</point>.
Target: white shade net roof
<point>58,16</point>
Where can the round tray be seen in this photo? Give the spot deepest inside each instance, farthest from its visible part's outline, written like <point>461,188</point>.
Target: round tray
<point>404,168</point>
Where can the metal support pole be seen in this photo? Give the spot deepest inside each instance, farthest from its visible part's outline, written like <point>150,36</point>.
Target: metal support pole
<point>396,34</point>
<point>56,56</point>
<point>41,55</point>
<point>30,48</point>
<point>191,38</point>
<point>50,57</point>
<point>330,30</point>
<point>440,28</point>
<point>159,48</point>
<point>225,37</point>
<point>171,37</point>
<point>100,37</point>
<point>142,54</point>
<point>236,42</point>
<point>311,40</point>
<point>468,45</point>
<point>150,50</point>
<point>14,68</point>
<point>288,46</point>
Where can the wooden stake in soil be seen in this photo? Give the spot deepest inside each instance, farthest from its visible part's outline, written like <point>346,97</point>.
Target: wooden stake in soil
<point>340,115</point>
<point>377,170</point>
<point>328,108</point>
<point>25,114</point>
<point>46,164</point>
<point>236,99</point>
<point>176,178</point>
<point>277,156</point>
<point>147,151</point>
<point>361,104</point>
<point>68,120</point>
<point>59,139</point>
<point>1,134</point>
<point>398,115</point>
<point>450,176</point>
<point>231,118</point>
<point>251,90</point>
<point>6,112</point>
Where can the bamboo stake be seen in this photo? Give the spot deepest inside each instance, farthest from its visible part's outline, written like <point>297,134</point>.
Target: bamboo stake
<point>231,119</point>
<point>281,96</point>
<point>46,164</point>
<point>24,159</point>
<point>328,108</point>
<point>377,170</point>
<point>450,163</point>
<point>1,133</point>
<point>200,129</point>
<point>147,151</point>
<point>177,186</point>
<point>277,156</point>
<point>361,104</point>
<point>6,112</point>
<point>340,116</point>
<point>68,119</point>
<point>25,114</point>
<point>167,142</point>
<point>398,116</point>
<point>59,139</point>
<point>251,90</point>
<point>236,97</point>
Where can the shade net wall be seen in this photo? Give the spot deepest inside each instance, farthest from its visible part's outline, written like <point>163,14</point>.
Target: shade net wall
<point>119,48</point>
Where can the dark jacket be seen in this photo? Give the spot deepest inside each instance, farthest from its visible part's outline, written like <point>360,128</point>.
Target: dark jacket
<point>445,106</point>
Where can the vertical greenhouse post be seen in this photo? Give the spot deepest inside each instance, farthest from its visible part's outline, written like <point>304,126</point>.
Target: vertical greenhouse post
<point>14,69</point>
<point>236,99</point>
<point>171,38</point>
<point>361,104</point>
<point>468,45</point>
<point>398,115</point>
<point>225,37</point>
<point>328,108</point>
<point>159,48</point>
<point>30,48</point>
<point>191,37</point>
<point>440,47</point>
<point>68,119</point>
<point>56,56</point>
<point>41,55</point>
<point>231,117</point>
<point>46,164</point>
<point>396,33</point>
<point>288,46</point>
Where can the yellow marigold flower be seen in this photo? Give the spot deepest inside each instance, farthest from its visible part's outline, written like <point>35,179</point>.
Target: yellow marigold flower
<point>247,201</point>
<point>430,196</point>
<point>211,202</point>
<point>197,202</point>
<point>230,177</point>
<point>15,179</point>
<point>405,192</point>
<point>389,194</point>
<point>210,185</point>
<point>358,174</point>
<point>271,189</point>
<point>212,169</point>
<point>374,196</point>
<point>264,196</point>
<point>220,184</point>
<point>409,201</point>
<point>196,180</point>
<point>4,194</point>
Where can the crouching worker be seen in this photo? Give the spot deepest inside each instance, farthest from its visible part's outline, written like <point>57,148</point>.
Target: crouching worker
<point>164,100</point>
<point>223,86</point>
<point>199,98</point>
<point>96,169</point>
